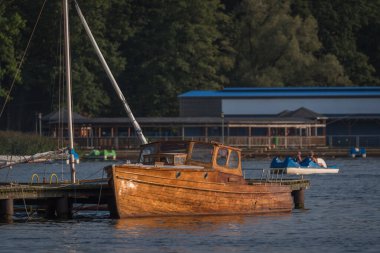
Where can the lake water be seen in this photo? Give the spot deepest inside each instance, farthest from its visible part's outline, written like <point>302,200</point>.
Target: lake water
<point>342,215</point>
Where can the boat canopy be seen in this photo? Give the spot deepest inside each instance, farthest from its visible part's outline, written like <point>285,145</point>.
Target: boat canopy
<point>207,154</point>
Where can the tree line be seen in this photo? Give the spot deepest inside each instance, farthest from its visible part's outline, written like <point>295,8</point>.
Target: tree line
<point>158,49</point>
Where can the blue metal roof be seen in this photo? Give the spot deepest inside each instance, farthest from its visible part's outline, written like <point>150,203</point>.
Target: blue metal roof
<point>241,92</point>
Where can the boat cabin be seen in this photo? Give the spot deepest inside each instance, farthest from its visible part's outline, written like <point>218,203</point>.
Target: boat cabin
<point>209,155</point>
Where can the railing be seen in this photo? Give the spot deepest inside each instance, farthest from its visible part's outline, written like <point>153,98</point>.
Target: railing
<point>264,174</point>
<point>239,141</point>
<point>354,141</point>
<point>277,141</point>
<point>337,141</point>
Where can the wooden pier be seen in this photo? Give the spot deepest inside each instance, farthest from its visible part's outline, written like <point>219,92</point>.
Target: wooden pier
<point>54,200</point>
<point>57,200</point>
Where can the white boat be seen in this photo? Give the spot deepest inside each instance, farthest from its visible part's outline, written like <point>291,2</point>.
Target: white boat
<point>308,171</point>
<point>306,167</point>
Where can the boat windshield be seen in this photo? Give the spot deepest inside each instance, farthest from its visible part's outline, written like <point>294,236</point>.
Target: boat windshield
<point>202,152</point>
<point>163,147</point>
<point>147,150</point>
<point>174,147</point>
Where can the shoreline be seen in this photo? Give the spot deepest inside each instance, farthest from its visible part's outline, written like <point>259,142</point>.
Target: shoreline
<point>270,153</point>
<point>132,154</point>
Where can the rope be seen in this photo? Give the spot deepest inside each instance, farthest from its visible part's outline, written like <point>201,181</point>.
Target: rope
<point>100,194</point>
<point>26,208</point>
<point>9,170</point>
<point>21,61</point>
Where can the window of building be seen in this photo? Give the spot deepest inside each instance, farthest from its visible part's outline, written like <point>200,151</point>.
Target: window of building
<point>194,131</point>
<point>106,132</point>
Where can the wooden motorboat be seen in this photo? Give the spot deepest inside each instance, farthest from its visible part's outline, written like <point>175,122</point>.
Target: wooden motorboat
<point>191,178</point>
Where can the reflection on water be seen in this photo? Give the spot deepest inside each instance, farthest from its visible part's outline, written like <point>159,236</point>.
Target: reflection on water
<point>192,223</point>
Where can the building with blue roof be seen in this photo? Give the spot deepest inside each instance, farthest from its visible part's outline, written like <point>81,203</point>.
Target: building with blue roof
<point>347,112</point>
<point>297,117</point>
<point>256,102</point>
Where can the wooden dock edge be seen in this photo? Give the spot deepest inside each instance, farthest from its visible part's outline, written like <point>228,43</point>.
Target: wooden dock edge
<point>56,200</point>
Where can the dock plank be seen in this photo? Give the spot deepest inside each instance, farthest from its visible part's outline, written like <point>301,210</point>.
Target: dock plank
<point>45,191</point>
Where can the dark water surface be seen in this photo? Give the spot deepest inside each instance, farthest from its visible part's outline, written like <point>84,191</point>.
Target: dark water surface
<point>342,215</point>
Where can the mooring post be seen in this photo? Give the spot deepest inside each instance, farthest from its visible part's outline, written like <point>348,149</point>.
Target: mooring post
<point>50,207</point>
<point>63,208</point>
<point>299,198</point>
<point>6,210</point>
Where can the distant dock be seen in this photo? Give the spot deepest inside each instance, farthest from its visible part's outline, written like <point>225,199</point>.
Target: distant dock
<point>264,152</point>
<point>324,152</point>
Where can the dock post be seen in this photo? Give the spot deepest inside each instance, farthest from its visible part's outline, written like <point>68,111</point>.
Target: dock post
<point>50,207</point>
<point>63,208</point>
<point>6,210</point>
<point>299,198</point>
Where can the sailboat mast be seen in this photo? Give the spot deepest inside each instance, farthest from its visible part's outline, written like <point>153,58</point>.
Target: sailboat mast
<point>135,124</point>
<point>68,87</point>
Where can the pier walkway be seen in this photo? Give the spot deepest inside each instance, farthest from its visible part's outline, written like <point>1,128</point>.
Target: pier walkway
<point>54,200</point>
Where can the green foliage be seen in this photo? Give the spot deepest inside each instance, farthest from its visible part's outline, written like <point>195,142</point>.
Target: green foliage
<point>342,24</point>
<point>158,49</point>
<point>16,143</point>
<point>43,86</point>
<point>91,87</point>
<point>278,49</point>
<point>10,25</point>
<point>176,47</point>
<point>368,43</point>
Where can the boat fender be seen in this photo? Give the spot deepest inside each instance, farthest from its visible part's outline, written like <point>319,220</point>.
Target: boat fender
<point>51,178</point>
<point>33,176</point>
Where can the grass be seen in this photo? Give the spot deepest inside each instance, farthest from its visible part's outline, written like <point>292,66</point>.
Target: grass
<point>17,143</point>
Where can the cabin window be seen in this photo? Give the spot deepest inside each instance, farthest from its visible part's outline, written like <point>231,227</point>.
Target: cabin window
<point>174,147</point>
<point>149,159</point>
<point>221,159</point>
<point>202,152</point>
<point>233,162</point>
<point>147,150</point>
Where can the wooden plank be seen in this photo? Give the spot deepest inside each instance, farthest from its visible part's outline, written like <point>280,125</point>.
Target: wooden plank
<point>41,191</point>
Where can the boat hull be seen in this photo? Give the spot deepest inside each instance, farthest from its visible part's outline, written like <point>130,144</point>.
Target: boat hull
<point>141,191</point>
<point>306,171</point>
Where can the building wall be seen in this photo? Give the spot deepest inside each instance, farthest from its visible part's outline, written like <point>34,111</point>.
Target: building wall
<point>200,107</point>
<point>325,106</point>
<point>354,127</point>
<point>353,114</point>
